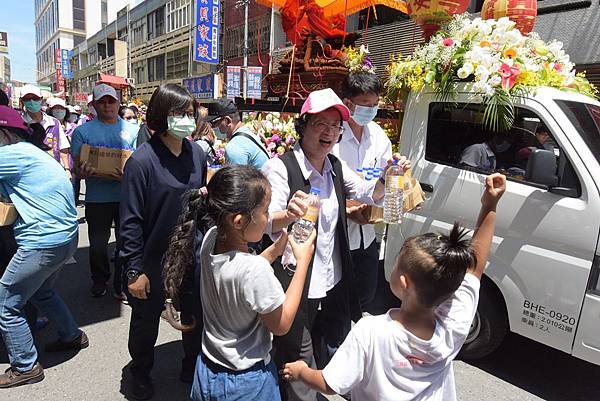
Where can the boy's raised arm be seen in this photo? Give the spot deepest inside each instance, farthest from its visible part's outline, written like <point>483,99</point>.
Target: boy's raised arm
<point>495,185</point>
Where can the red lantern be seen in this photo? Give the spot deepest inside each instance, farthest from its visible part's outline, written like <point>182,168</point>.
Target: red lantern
<point>430,14</point>
<point>522,12</point>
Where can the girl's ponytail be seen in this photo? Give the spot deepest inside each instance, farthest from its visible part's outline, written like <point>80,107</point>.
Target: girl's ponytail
<point>179,258</point>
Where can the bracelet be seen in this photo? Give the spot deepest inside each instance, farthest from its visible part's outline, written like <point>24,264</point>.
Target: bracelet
<point>382,180</point>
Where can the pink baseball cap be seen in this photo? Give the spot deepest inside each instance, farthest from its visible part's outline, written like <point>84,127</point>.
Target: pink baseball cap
<point>322,100</point>
<point>11,118</point>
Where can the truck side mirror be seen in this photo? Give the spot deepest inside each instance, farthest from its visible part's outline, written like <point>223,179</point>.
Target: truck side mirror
<point>541,168</point>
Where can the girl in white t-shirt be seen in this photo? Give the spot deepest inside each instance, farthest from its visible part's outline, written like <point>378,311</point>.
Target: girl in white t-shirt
<point>243,303</point>
<point>407,353</point>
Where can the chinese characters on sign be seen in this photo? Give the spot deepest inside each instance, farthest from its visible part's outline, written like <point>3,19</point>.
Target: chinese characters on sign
<point>60,83</point>
<point>233,81</point>
<point>65,62</point>
<point>207,31</point>
<point>201,87</point>
<point>254,85</point>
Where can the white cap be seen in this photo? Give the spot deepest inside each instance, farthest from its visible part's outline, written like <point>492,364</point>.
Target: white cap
<point>29,89</point>
<point>56,101</point>
<point>71,109</point>
<point>77,108</point>
<point>102,90</point>
<point>90,99</point>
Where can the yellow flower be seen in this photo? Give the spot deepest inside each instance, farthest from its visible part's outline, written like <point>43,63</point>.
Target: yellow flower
<point>510,53</point>
<point>484,43</point>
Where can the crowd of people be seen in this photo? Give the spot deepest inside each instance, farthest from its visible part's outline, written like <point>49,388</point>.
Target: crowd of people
<point>262,316</point>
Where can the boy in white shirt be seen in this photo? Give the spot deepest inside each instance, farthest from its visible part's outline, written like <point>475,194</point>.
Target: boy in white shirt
<point>407,353</point>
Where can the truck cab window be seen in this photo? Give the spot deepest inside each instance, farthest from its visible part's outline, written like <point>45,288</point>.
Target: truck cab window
<point>457,137</point>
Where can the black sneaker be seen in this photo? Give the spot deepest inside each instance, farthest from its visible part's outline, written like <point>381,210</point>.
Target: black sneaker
<point>98,290</point>
<point>77,344</point>
<point>13,378</point>
<point>141,389</point>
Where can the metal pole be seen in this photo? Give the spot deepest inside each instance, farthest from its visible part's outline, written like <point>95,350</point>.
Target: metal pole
<point>271,39</point>
<point>192,35</point>
<point>245,48</point>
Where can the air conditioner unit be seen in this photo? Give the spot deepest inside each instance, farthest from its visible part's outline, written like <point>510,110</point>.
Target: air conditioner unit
<point>130,81</point>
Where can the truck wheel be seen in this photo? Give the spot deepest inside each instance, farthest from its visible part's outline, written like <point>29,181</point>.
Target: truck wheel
<point>489,326</point>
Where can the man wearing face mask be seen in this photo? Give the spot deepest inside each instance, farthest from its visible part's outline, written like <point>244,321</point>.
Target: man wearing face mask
<point>31,100</point>
<point>102,195</point>
<point>363,144</point>
<point>243,146</point>
<point>490,155</point>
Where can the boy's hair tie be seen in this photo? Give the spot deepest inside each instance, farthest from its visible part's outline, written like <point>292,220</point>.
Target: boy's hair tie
<point>439,237</point>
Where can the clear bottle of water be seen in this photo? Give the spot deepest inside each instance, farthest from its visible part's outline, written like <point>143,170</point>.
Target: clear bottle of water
<point>394,193</point>
<point>302,228</point>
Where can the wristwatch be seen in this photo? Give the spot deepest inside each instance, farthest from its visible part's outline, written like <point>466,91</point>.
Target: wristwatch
<point>132,274</point>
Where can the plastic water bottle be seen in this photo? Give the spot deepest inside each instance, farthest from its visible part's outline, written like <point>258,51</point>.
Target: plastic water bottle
<point>302,228</point>
<point>394,192</point>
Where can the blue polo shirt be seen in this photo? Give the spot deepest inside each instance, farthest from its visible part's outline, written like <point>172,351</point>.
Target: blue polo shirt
<point>43,195</point>
<point>121,135</point>
<point>245,151</point>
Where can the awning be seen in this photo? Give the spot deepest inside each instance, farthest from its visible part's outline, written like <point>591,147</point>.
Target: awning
<point>113,80</point>
<point>344,7</point>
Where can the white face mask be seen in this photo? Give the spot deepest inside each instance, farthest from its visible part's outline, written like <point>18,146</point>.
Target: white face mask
<point>73,118</point>
<point>180,127</point>
<point>363,115</point>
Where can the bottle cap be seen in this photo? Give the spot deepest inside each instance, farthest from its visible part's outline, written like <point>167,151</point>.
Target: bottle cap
<point>315,191</point>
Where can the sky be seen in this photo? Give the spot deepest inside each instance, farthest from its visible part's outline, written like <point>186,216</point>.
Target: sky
<point>17,18</point>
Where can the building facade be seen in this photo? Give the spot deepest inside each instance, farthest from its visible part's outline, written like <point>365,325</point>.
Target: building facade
<point>65,24</point>
<point>146,45</point>
<point>4,69</point>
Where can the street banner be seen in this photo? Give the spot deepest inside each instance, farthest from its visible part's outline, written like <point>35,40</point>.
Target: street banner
<point>207,25</point>
<point>201,87</point>
<point>3,42</point>
<point>60,83</point>
<point>65,63</point>
<point>233,81</point>
<point>254,86</point>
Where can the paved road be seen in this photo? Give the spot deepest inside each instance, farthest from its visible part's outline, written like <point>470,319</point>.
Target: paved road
<point>520,370</point>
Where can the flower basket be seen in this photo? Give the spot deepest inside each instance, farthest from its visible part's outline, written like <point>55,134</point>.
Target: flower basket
<point>498,61</point>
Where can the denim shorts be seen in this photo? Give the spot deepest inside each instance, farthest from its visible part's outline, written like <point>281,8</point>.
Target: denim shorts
<point>213,382</point>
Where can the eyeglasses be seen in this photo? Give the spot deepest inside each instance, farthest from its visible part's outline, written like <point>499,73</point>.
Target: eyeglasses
<point>322,127</point>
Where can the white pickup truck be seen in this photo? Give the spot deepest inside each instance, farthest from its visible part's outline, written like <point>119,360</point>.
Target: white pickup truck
<point>543,276</point>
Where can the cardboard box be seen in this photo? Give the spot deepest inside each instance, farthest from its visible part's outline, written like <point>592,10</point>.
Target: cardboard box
<point>413,198</point>
<point>8,214</point>
<point>105,161</point>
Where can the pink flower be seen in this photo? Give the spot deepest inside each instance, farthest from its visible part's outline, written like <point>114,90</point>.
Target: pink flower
<point>448,42</point>
<point>509,75</point>
<point>276,138</point>
<point>557,67</point>
<point>290,140</point>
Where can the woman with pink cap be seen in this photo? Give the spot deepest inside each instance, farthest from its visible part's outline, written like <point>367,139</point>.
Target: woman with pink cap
<point>329,300</point>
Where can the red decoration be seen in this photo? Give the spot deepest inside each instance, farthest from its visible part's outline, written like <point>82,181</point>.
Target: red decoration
<point>430,14</point>
<point>522,12</point>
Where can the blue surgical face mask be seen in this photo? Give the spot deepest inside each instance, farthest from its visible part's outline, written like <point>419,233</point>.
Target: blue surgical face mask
<point>73,118</point>
<point>503,147</point>
<point>180,127</point>
<point>33,106</point>
<point>59,114</point>
<point>218,133</point>
<point>363,115</point>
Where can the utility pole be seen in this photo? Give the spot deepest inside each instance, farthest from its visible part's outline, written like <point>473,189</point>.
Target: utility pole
<point>238,4</point>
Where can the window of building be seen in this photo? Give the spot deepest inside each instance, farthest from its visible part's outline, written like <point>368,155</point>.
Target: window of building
<point>156,68</point>
<point>138,32</point>
<point>79,14</point>
<point>177,63</point>
<point>139,72</point>
<point>156,23</point>
<point>233,40</point>
<point>457,137</point>
<point>178,14</point>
